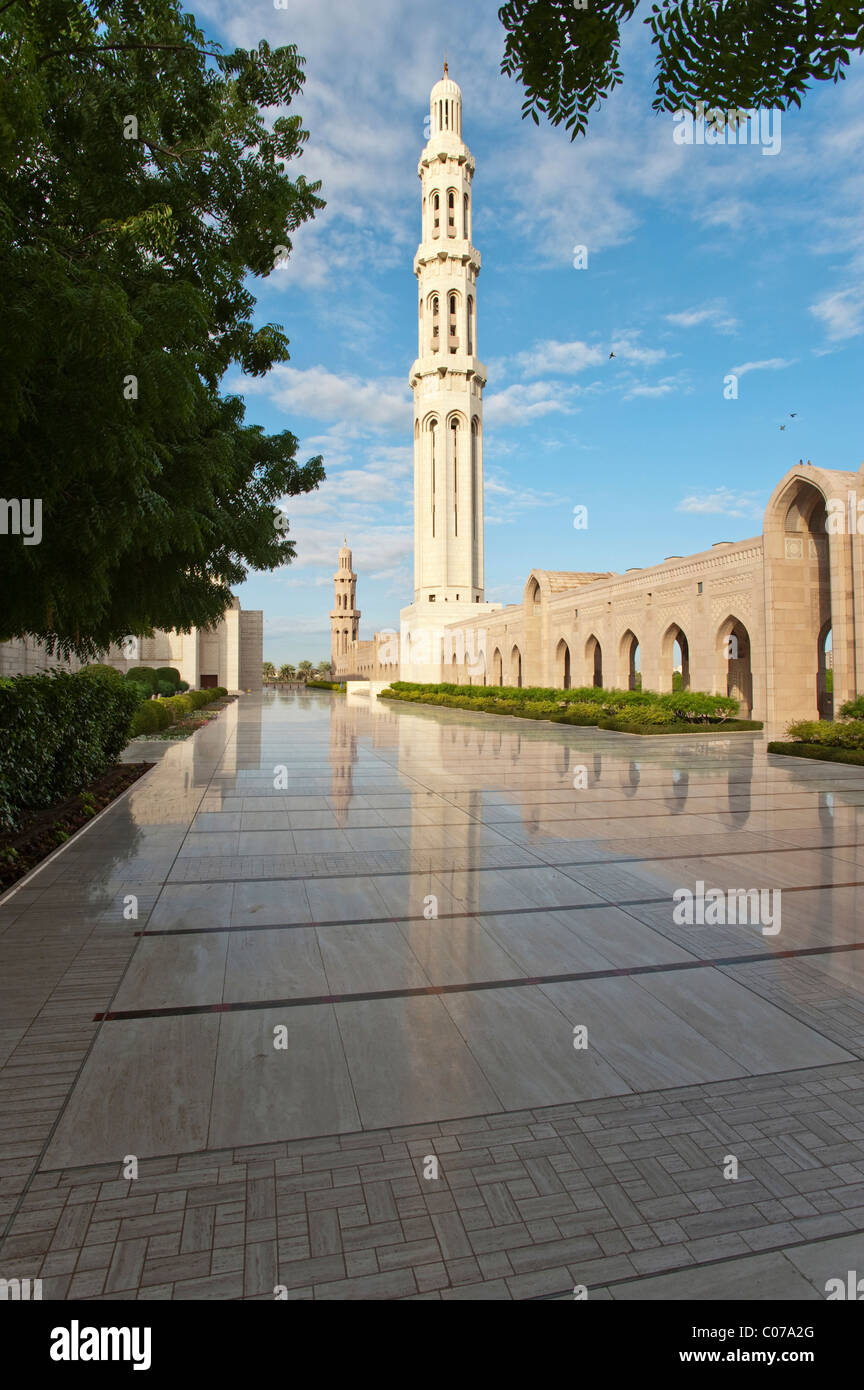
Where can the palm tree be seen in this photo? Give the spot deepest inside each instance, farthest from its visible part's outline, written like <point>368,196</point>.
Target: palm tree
<point>304,670</point>
<point>268,670</point>
<point>286,673</point>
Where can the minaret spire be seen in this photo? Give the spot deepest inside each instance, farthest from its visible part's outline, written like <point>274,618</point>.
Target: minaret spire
<point>447,378</point>
<point>345,617</point>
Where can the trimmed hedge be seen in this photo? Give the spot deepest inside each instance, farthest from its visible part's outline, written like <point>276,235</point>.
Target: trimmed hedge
<point>324,685</point>
<point>143,675</point>
<point>57,733</point>
<point>827,733</point>
<point>690,706</point>
<point>823,751</point>
<point>169,674</point>
<point>151,718</point>
<point>155,716</point>
<point>623,711</point>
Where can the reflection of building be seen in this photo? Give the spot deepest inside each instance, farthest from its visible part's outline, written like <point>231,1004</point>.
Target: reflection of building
<point>228,654</point>
<point>753,619</point>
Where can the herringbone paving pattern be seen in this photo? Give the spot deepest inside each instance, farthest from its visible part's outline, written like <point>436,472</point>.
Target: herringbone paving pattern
<point>524,1205</point>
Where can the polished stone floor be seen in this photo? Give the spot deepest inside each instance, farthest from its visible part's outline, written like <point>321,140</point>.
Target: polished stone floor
<point>354,936</point>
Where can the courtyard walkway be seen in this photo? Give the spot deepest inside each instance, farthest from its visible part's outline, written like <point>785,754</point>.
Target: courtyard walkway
<point>388,1002</point>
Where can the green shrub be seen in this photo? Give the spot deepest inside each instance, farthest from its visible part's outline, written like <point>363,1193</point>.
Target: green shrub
<point>220,692</point>
<point>151,718</point>
<point>170,675</point>
<point>853,709</point>
<point>143,675</point>
<point>164,689</point>
<point>182,686</point>
<point>855,756</point>
<point>199,698</point>
<point>101,669</point>
<point>847,734</point>
<point>178,706</point>
<point>57,733</point>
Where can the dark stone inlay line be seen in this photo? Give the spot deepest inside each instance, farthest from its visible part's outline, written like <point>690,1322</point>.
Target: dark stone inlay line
<point>446,916</point>
<point>469,987</point>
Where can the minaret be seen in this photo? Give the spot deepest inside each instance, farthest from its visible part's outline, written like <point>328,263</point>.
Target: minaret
<point>447,378</point>
<point>345,617</point>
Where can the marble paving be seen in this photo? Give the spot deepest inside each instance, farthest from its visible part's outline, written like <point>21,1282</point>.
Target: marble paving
<point>325,942</point>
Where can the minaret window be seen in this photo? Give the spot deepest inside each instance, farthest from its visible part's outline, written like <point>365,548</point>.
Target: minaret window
<point>451,213</point>
<point>475,434</point>
<point>435,324</point>
<point>433,430</point>
<point>465,232</point>
<point>470,325</point>
<point>453,327</point>
<point>436,214</point>
<point>454,428</point>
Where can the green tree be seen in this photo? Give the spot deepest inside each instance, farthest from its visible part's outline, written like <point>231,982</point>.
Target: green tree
<point>304,670</point>
<point>727,53</point>
<point>268,670</point>
<point>142,180</point>
<point>286,673</point>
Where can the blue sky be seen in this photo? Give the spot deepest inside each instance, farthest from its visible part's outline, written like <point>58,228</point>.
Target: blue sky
<point>701,260</point>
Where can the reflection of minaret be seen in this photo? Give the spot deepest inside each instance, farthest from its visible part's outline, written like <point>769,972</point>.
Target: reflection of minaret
<point>345,617</point>
<point>343,756</point>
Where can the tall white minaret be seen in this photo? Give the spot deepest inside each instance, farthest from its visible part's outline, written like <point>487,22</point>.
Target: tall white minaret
<point>447,379</point>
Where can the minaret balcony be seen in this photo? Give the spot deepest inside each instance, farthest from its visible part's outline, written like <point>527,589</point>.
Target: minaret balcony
<point>450,248</point>
<point>438,365</point>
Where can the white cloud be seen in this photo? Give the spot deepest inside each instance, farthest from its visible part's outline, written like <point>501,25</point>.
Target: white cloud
<point>564,358</point>
<point>723,501</point>
<point>522,402</point>
<point>714,315</point>
<point>664,387</point>
<point>772,364</point>
<point>842,313</point>
<point>627,349</point>
<point>382,404</point>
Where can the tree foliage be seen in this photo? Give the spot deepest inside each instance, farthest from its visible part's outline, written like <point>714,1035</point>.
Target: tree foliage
<point>143,178</point>
<point>726,53</point>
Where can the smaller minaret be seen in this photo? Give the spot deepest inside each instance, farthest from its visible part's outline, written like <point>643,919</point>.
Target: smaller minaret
<point>345,617</point>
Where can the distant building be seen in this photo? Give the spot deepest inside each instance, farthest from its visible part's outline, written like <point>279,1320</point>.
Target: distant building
<point>229,654</point>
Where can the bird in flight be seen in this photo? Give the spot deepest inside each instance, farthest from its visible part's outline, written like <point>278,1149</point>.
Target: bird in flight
<point>611,354</point>
<point>782,427</point>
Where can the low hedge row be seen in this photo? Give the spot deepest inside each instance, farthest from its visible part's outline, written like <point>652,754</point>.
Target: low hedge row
<point>642,706</point>
<point>662,714</point>
<point>58,732</point>
<point>825,752</point>
<point>324,685</point>
<point>826,733</point>
<point>154,716</point>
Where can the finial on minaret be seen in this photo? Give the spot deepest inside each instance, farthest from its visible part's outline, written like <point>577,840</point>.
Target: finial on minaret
<point>445,63</point>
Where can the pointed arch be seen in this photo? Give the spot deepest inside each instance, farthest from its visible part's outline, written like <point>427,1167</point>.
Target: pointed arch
<point>562,664</point>
<point>628,653</point>
<point>675,650</point>
<point>594,661</point>
<point>515,666</point>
